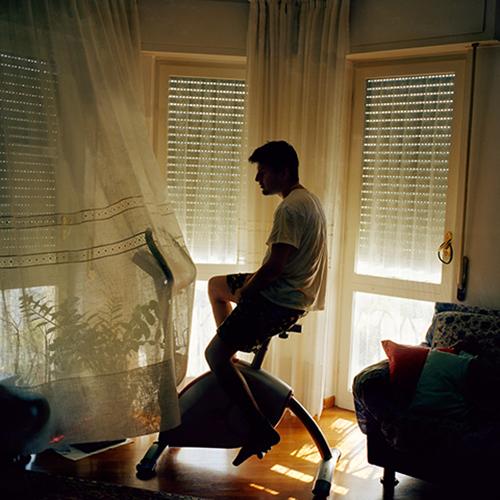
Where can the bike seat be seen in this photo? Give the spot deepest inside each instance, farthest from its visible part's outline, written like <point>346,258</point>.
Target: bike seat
<point>294,328</point>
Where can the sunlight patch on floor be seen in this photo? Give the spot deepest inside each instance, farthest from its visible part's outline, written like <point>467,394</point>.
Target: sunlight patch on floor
<point>294,474</point>
<point>354,466</point>
<point>307,452</point>
<point>353,446</point>
<point>357,468</point>
<point>211,459</point>
<point>340,490</point>
<point>342,424</point>
<point>367,472</point>
<point>351,442</point>
<point>342,465</point>
<point>263,488</point>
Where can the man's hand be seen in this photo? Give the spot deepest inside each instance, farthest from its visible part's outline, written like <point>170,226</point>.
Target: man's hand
<point>268,272</point>
<point>237,295</point>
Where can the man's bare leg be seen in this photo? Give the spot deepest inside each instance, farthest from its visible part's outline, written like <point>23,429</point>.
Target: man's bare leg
<point>219,356</point>
<point>220,298</point>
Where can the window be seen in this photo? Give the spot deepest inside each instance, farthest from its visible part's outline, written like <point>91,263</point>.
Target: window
<point>25,337</point>
<point>28,135</point>
<point>204,138</point>
<point>199,141</point>
<point>403,184</point>
<point>27,153</point>
<point>407,139</point>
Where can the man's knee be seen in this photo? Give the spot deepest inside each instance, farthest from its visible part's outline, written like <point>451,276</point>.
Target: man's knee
<point>217,354</point>
<point>210,356</point>
<point>216,287</point>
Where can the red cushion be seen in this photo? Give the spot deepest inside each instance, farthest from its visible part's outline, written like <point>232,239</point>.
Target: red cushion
<point>406,363</point>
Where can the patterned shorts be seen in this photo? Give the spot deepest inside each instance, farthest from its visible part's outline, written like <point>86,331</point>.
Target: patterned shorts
<point>254,320</point>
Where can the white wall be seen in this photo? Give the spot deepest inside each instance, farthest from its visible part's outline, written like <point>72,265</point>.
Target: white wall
<point>395,24</point>
<point>196,26</point>
<point>482,232</point>
<point>220,26</point>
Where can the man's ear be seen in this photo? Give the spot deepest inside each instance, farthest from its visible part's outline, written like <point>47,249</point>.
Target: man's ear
<point>285,175</point>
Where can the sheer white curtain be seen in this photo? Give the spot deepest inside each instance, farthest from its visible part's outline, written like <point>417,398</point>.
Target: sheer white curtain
<point>297,92</point>
<point>85,314</point>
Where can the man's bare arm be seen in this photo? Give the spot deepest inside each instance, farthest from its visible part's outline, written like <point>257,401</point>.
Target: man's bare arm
<point>268,272</point>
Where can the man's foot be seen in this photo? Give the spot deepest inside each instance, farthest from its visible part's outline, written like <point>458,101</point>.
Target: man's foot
<point>259,443</point>
<point>246,452</point>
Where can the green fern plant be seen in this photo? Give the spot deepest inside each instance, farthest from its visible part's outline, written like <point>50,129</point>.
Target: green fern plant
<point>100,342</point>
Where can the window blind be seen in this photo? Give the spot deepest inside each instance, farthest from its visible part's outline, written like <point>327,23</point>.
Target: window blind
<point>27,153</point>
<point>205,141</point>
<point>407,139</point>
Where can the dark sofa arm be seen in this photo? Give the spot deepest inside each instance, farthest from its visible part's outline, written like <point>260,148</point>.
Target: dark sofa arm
<point>373,396</point>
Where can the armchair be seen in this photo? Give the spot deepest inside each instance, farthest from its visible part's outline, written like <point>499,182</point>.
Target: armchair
<point>434,444</point>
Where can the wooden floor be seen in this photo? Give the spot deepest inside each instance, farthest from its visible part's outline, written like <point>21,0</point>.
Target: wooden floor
<point>285,472</point>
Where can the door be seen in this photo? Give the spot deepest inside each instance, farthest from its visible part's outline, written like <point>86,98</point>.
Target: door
<point>404,173</point>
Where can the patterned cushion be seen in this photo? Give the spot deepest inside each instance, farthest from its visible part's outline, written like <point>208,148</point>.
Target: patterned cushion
<point>441,307</point>
<point>478,334</point>
<point>447,306</point>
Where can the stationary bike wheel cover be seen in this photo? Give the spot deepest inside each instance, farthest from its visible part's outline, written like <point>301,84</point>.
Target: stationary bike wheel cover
<point>210,420</point>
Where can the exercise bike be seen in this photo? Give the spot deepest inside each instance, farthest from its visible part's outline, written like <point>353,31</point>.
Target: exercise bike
<point>210,420</point>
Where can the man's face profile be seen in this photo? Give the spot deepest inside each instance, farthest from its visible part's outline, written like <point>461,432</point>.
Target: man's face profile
<point>270,181</point>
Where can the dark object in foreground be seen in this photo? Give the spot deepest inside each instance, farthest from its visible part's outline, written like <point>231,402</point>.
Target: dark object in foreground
<point>34,485</point>
<point>23,415</point>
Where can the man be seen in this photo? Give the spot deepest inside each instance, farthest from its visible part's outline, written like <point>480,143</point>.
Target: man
<point>290,282</point>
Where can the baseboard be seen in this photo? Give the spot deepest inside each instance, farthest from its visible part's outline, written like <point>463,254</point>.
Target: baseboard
<point>328,402</point>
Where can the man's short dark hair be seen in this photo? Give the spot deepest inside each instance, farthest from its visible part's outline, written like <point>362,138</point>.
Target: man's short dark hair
<point>279,155</point>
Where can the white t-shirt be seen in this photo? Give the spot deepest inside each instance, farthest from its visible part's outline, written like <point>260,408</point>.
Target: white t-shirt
<point>299,221</point>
